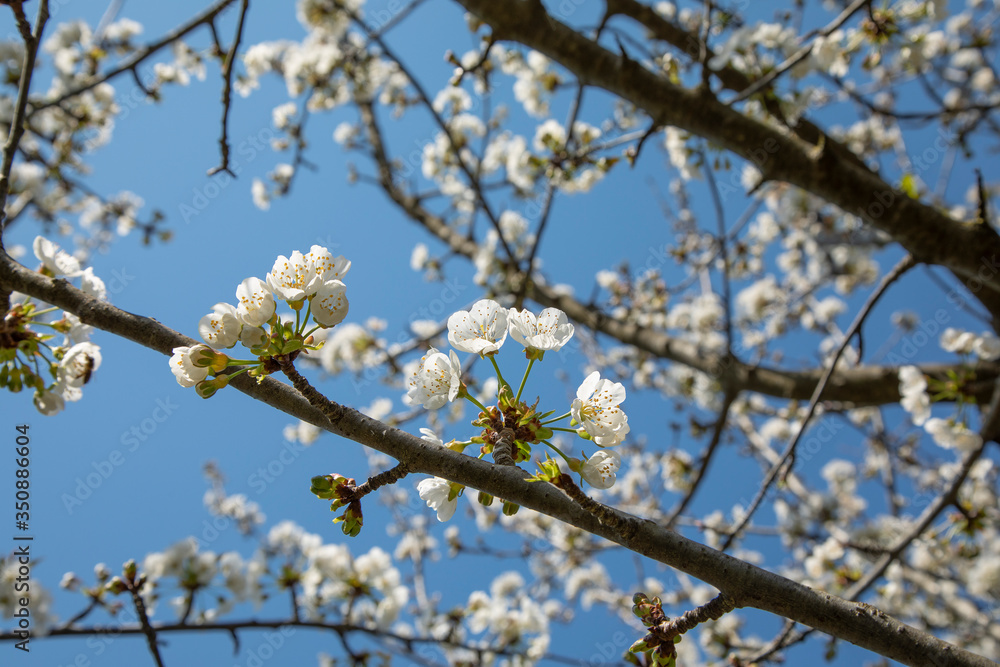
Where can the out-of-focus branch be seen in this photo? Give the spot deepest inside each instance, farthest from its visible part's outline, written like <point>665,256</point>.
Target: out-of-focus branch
<point>206,17</point>
<point>31,42</point>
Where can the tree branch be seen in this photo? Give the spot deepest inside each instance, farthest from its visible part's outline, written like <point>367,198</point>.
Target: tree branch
<point>926,232</point>
<point>746,584</point>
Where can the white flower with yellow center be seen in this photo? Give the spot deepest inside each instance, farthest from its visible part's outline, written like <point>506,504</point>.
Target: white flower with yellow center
<point>183,368</point>
<point>599,470</point>
<point>290,278</point>
<point>596,410</point>
<point>324,267</point>
<point>221,328</point>
<point>480,330</point>
<point>549,331</point>
<point>329,304</point>
<point>436,381</point>
<point>256,302</point>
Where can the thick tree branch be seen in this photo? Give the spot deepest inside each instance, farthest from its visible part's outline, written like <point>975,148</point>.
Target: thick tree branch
<point>863,386</point>
<point>970,250</point>
<point>747,585</point>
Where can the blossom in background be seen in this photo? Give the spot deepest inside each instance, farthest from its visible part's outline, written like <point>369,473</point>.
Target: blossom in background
<point>436,381</point>
<point>256,302</point>
<point>986,345</point>
<point>93,286</point>
<point>438,495</point>
<point>599,470</point>
<point>480,330</point>
<point>953,435</point>
<point>221,328</point>
<point>549,331</point>
<point>57,261</point>
<point>913,392</point>
<point>252,337</point>
<point>596,408</point>
<point>49,402</point>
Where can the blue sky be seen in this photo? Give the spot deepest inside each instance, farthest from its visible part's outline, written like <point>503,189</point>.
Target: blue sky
<point>153,497</point>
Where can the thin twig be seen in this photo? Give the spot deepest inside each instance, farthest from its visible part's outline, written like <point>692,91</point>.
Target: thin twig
<point>205,17</point>
<point>390,476</point>
<point>799,55</point>
<point>705,460</point>
<point>31,42</point>
<point>504,448</point>
<point>147,628</point>
<point>227,90</point>
<point>787,460</point>
<point>426,101</point>
<point>712,610</point>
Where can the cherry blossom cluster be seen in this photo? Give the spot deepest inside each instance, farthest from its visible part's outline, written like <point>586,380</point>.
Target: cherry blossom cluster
<point>436,380</point>
<point>310,282</point>
<point>25,351</point>
<point>951,433</point>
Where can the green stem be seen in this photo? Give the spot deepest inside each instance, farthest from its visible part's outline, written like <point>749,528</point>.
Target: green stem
<point>524,380</point>
<point>503,383</point>
<point>308,313</point>
<point>476,403</point>
<point>567,430</point>
<point>555,419</point>
<point>559,452</point>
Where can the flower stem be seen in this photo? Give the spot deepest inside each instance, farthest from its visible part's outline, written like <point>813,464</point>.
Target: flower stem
<point>555,419</point>
<point>308,313</point>
<point>476,403</point>
<point>558,451</point>
<point>503,383</point>
<point>524,380</point>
